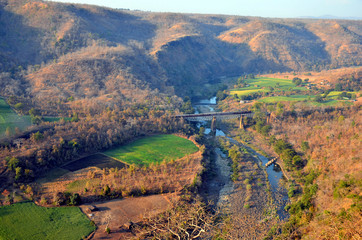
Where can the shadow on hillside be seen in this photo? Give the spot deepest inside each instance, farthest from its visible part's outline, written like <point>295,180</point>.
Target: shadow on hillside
<point>113,25</point>
<point>19,42</point>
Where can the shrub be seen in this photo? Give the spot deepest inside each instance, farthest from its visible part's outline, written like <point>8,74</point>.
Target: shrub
<point>305,146</point>
<point>74,199</point>
<point>265,130</point>
<point>106,190</point>
<point>13,163</point>
<point>19,106</point>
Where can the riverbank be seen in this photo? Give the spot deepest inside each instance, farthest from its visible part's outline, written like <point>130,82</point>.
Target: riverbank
<point>250,204</point>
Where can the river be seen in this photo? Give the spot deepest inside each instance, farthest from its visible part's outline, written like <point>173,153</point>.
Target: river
<point>222,182</point>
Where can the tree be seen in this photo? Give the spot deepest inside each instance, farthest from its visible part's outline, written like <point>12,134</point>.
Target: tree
<point>265,130</point>
<point>19,106</point>
<point>37,136</point>
<point>318,98</point>
<point>305,146</point>
<point>33,112</point>
<point>187,107</point>
<point>287,156</point>
<point>297,81</point>
<point>13,163</point>
<point>338,87</point>
<point>36,120</point>
<point>281,145</point>
<point>75,117</point>
<point>221,95</point>
<point>8,132</point>
<point>251,76</point>
<point>74,199</point>
<point>297,162</point>
<point>106,190</point>
<point>18,173</point>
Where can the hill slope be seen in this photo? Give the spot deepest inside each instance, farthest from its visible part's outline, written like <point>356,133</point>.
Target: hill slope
<point>59,50</point>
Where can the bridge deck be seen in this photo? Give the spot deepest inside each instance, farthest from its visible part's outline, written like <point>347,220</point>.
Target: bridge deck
<point>213,114</point>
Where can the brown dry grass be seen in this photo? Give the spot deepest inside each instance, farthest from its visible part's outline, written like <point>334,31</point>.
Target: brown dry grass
<point>335,151</point>
<point>130,181</point>
<point>316,77</point>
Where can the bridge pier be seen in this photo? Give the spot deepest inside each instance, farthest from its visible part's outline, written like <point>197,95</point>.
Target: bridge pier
<point>241,124</point>
<point>213,124</point>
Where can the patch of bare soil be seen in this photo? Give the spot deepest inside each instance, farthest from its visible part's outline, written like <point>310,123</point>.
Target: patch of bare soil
<point>116,213</point>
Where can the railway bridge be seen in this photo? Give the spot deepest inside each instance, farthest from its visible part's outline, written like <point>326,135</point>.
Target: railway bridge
<point>214,116</point>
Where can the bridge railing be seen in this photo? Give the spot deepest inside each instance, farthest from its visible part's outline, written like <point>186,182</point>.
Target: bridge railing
<point>214,114</point>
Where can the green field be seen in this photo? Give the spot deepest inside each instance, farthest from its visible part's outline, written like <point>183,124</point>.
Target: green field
<point>154,149</point>
<point>286,98</point>
<point>11,120</point>
<point>263,84</point>
<point>297,98</point>
<point>29,221</point>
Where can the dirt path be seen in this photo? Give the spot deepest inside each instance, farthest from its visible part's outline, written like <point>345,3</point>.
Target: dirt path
<point>116,213</point>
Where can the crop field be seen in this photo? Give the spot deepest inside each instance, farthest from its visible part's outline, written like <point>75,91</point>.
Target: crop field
<point>286,98</point>
<point>29,221</point>
<point>335,94</point>
<point>263,85</point>
<point>309,99</point>
<point>96,160</point>
<point>11,120</point>
<point>154,149</point>
<point>245,91</point>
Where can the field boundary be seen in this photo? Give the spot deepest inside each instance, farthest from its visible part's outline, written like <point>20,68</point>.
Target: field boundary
<point>112,158</point>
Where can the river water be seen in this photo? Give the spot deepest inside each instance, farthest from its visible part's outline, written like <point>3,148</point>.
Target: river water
<point>275,175</point>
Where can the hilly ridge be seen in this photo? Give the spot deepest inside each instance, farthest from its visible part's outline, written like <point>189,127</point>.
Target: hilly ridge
<point>57,50</point>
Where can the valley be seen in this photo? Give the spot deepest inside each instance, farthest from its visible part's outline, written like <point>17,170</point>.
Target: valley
<point>91,146</point>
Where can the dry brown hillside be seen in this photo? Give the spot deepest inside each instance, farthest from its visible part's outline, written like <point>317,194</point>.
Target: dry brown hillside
<point>57,49</point>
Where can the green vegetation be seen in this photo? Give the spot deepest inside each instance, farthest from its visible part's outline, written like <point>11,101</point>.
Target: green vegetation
<point>10,121</point>
<point>29,221</point>
<point>285,98</point>
<point>290,91</point>
<point>155,149</point>
<point>81,184</point>
<point>265,85</point>
<point>55,119</point>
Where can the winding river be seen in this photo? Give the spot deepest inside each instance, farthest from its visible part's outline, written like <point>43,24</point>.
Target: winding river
<point>275,175</point>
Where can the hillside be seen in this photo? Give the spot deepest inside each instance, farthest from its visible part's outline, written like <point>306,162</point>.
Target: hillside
<point>88,98</point>
<point>53,50</point>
